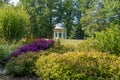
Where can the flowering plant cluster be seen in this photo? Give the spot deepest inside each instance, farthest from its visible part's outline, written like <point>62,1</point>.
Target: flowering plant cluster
<point>40,44</point>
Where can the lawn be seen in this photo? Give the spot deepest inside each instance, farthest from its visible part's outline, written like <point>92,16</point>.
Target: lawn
<point>73,42</point>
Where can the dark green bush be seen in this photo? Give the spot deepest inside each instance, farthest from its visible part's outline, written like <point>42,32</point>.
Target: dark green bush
<point>22,65</point>
<point>78,66</point>
<point>108,41</point>
<point>2,57</point>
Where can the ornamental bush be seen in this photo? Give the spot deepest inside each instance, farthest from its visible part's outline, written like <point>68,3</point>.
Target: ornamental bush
<point>14,23</point>
<point>40,44</point>
<point>78,66</point>
<point>107,41</point>
<point>6,49</point>
<point>22,65</point>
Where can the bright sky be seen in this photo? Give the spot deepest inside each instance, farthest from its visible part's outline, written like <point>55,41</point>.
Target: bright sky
<point>14,1</point>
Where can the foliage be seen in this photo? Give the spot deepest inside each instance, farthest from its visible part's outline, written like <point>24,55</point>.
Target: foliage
<point>40,44</point>
<point>50,12</point>
<point>78,33</point>
<point>3,2</point>
<point>71,66</point>
<point>61,49</point>
<point>2,57</point>
<point>100,15</point>
<point>13,25</point>
<point>85,46</point>
<point>108,41</point>
<point>112,11</point>
<point>40,16</point>
<point>6,49</point>
<point>23,65</point>
<point>93,19</point>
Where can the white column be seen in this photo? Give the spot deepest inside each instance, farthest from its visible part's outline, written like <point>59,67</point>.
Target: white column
<point>57,35</point>
<point>62,35</point>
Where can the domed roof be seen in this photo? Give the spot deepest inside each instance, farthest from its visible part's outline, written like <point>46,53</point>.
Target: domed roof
<point>59,26</point>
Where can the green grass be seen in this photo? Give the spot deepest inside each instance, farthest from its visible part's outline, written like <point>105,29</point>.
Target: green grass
<point>1,79</point>
<point>73,42</point>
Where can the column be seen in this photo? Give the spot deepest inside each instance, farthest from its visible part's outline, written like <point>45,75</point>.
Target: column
<point>57,35</point>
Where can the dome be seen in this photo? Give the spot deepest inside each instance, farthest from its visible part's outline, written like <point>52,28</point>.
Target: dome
<point>59,26</point>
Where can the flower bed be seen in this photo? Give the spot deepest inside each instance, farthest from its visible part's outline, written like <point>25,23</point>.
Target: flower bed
<point>40,44</point>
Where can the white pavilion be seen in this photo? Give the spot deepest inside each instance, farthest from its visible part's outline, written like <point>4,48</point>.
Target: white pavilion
<point>60,32</point>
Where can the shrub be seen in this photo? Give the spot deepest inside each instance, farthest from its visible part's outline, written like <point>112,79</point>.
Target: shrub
<point>23,65</point>
<point>5,50</point>
<point>2,57</point>
<point>82,66</point>
<point>13,26</point>
<point>85,46</point>
<point>40,44</point>
<point>108,41</point>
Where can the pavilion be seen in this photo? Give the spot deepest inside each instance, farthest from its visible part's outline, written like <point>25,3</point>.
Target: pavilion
<point>60,32</point>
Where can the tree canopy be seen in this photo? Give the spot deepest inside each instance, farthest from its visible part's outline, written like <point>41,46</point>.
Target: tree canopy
<point>100,16</point>
<point>81,17</point>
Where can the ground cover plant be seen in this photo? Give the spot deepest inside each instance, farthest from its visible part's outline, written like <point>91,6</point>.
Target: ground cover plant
<point>78,65</point>
<point>36,46</point>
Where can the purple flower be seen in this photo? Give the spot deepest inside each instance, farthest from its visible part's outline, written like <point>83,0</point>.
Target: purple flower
<point>40,44</point>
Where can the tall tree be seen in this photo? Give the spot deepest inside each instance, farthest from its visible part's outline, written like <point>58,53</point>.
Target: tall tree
<point>68,15</point>
<point>78,33</point>
<point>42,14</point>
<point>100,15</point>
<point>112,11</point>
<point>46,13</point>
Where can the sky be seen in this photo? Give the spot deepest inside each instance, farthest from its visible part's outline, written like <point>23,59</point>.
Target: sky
<point>14,1</point>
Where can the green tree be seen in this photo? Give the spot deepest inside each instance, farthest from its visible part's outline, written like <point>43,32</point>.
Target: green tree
<point>41,16</point>
<point>68,15</point>
<point>13,25</point>
<point>112,11</point>
<point>3,2</point>
<point>44,14</point>
<point>100,15</point>
<point>68,12</point>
